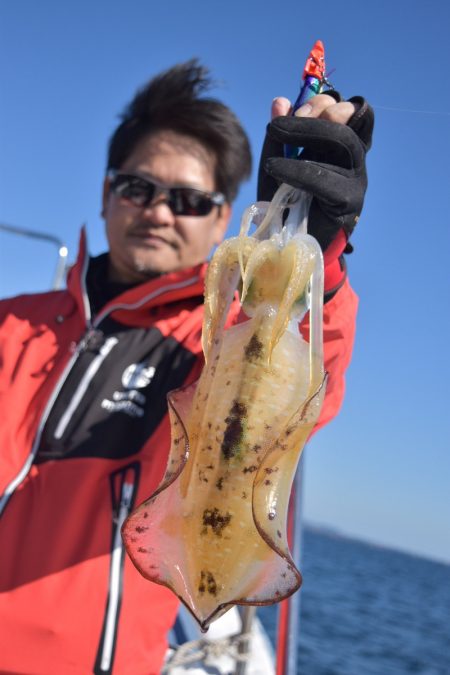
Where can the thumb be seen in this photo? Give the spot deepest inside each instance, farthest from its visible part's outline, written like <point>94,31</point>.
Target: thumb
<point>280,106</point>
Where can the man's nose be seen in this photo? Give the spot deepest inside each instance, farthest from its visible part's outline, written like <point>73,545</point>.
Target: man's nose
<point>158,210</point>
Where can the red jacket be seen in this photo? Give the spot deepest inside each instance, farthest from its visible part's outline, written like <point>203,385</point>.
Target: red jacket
<point>70,600</point>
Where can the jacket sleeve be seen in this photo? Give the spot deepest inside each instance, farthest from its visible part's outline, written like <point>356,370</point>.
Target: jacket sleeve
<point>339,324</point>
<point>5,307</point>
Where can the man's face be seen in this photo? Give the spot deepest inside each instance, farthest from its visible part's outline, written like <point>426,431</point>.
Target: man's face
<point>150,240</point>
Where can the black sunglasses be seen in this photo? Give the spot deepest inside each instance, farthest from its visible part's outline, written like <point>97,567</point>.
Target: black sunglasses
<point>182,201</point>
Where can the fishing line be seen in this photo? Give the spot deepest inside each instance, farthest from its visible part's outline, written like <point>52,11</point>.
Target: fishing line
<point>410,110</point>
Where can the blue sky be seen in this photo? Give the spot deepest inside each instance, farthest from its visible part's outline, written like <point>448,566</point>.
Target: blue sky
<point>381,470</point>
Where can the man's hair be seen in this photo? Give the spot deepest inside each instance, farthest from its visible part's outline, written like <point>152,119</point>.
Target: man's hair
<point>173,101</point>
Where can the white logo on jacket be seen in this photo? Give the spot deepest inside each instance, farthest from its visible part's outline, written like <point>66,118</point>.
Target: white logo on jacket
<point>135,376</point>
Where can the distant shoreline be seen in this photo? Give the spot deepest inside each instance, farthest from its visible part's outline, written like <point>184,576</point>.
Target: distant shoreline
<point>335,533</point>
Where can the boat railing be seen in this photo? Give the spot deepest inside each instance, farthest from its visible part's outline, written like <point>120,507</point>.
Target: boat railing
<point>61,266</point>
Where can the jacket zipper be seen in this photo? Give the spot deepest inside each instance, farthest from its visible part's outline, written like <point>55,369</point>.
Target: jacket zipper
<point>23,472</point>
<point>16,481</point>
<point>128,478</point>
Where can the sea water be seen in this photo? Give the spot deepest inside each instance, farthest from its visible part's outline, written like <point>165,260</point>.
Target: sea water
<point>367,610</point>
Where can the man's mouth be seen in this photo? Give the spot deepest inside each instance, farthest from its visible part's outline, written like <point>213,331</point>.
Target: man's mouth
<point>151,238</point>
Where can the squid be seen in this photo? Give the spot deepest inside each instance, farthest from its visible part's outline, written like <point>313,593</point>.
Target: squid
<point>214,532</point>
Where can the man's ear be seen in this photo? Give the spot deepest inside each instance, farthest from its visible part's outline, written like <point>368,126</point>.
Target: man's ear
<point>105,195</point>
<point>221,224</point>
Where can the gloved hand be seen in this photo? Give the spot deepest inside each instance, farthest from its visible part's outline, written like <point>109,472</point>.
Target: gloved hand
<point>331,167</point>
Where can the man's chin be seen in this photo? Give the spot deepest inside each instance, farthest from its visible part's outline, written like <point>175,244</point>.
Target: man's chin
<point>149,269</point>
<point>136,271</point>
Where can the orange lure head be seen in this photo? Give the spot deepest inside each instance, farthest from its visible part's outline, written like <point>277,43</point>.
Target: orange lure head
<point>315,63</point>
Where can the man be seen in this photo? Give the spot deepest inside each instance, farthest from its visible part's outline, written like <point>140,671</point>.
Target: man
<point>85,372</point>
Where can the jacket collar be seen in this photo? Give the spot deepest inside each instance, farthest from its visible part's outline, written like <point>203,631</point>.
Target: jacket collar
<point>187,283</point>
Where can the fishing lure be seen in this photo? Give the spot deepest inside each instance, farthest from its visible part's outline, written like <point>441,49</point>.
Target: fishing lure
<point>313,75</point>
<point>314,81</point>
<point>215,530</point>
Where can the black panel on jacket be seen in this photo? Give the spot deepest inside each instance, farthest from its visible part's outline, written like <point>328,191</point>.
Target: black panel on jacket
<point>121,406</point>
<point>115,395</point>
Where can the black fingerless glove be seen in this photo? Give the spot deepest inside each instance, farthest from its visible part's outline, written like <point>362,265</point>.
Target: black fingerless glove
<point>331,167</point>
